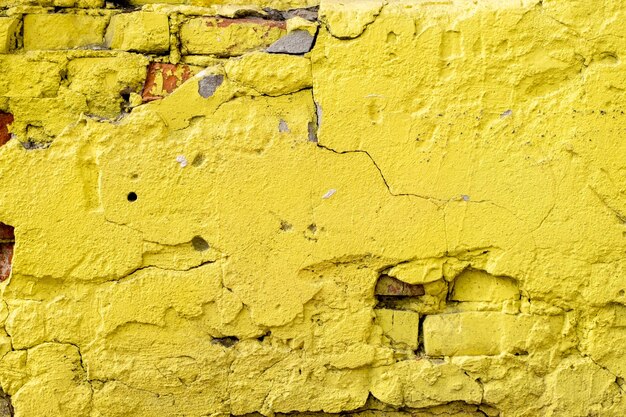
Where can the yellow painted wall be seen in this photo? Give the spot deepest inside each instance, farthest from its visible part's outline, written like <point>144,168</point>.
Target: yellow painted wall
<point>423,215</point>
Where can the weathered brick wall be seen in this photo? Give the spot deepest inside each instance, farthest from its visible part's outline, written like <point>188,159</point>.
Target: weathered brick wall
<point>402,208</point>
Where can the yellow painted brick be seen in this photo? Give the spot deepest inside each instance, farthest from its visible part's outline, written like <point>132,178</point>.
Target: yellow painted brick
<point>23,77</point>
<point>8,33</point>
<point>420,271</point>
<point>139,31</point>
<point>475,285</point>
<point>104,80</point>
<point>63,31</point>
<point>257,4</point>
<point>83,4</point>
<point>399,325</point>
<point>229,37</point>
<point>422,383</point>
<point>271,74</point>
<point>489,333</point>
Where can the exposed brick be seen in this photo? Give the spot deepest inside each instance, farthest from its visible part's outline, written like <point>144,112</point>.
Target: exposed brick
<point>6,233</point>
<point>82,4</point>
<point>8,34</point>
<point>63,31</point>
<point>400,326</point>
<point>163,79</point>
<point>139,31</point>
<point>7,239</point>
<point>489,333</point>
<point>5,120</point>
<point>389,286</point>
<point>229,37</point>
<point>474,285</point>
<point>6,258</point>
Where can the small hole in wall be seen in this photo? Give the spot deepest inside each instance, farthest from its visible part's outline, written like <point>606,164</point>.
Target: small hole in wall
<point>285,226</point>
<point>263,336</point>
<point>621,293</point>
<point>198,160</point>
<point>125,93</point>
<point>199,244</point>
<point>421,349</point>
<point>131,196</point>
<point>228,341</point>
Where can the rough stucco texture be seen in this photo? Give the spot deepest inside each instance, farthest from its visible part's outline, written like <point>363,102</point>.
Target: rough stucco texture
<point>416,208</point>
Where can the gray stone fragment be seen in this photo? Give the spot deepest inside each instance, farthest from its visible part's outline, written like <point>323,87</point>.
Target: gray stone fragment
<point>282,126</point>
<point>296,42</point>
<point>6,408</point>
<point>312,132</point>
<point>208,85</point>
<point>308,14</point>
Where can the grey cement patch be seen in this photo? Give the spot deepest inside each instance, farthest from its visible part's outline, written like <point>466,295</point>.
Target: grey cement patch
<point>295,43</point>
<point>208,85</point>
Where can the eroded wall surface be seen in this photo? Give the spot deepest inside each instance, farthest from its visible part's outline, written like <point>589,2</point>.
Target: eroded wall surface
<point>388,208</point>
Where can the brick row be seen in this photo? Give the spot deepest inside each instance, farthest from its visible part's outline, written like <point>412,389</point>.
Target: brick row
<point>144,32</point>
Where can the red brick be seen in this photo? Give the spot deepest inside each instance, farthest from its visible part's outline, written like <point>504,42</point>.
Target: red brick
<point>7,241</point>
<point>5,120</point>
<point>6,233</point>
<point>390,286</point>
<point>6,258</point>
<point>172,77</point>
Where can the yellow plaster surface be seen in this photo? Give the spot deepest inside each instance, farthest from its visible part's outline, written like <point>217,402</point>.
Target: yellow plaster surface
<point>473,285</point>
<point>220,37</point>
<point>216,252</point>
<point>139,31</point>
<point>60,31</point>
